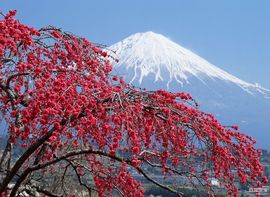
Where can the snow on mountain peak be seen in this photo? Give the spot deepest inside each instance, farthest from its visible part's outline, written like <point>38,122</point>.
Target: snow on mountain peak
<point>152,53</point>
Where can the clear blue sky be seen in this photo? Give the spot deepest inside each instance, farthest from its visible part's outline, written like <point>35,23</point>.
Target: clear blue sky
<point>232,34</point>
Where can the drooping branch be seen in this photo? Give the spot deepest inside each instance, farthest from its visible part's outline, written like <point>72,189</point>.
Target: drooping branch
<point>89,189</point>
<point>87,152</point>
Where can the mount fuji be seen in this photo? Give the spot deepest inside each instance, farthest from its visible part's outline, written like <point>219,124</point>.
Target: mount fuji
<point>152,61</point>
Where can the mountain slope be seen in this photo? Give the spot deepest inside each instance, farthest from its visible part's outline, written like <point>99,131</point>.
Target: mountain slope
<point>153,54</point>
<point>152,61</point>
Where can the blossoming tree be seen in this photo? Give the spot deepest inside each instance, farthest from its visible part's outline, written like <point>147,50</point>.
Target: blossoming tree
<point>67,115</point>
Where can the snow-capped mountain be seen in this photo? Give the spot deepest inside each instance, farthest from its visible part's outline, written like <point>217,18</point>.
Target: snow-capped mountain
<point>153,54</point>
<point>152,61</point>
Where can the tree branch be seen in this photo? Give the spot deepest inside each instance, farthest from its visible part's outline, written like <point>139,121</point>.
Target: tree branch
<point>101,153</point>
